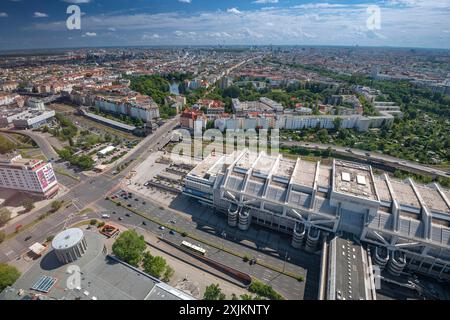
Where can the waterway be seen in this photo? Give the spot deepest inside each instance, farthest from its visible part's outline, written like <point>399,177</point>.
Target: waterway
<point>174,88</point>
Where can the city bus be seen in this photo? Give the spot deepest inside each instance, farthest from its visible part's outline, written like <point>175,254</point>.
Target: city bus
<point>193,248</point>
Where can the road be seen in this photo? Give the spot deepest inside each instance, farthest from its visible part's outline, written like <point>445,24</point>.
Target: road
<point>373,157</point>
<point>270,249</point>
<point>42,143</point>
<point>91,192</point>
<point>83,194</point>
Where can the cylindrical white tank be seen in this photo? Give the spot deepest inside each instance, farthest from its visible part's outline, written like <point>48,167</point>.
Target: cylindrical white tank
<point>69,245</point>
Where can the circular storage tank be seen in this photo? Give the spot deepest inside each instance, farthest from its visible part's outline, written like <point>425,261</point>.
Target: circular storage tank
<point>69,245</point>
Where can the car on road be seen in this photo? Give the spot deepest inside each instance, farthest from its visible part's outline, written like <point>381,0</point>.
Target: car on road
<point>120,218</point>
<point>144,223</point>
<point>172,232</point>
<point>28,238</point>
<point>127,215</point>
<point>253,261</point>
<point>144,203</point>
<point>162,228</point>
<point>129,205</point>
<point>106,216</point>
<point>172,221</point>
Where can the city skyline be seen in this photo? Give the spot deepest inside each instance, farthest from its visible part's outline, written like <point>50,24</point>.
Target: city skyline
<point>403,23</point>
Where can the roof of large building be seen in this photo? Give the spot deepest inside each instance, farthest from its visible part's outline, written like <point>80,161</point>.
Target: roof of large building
<point>103,277</point>
<point>67,238</point>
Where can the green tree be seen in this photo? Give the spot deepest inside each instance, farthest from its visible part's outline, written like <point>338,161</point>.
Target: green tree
<point>56,205</point>
<point>5,216</point>
<point>337,123</point>
<point>213,292</point>
<point>130,247</point>
<point>28,204</point>
<point>264,290</point>
<point>8,275</point>
<point>168,273</point>
<point>6,145</point>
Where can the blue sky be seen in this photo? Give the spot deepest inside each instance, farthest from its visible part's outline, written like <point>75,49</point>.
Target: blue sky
<point>404,23</point>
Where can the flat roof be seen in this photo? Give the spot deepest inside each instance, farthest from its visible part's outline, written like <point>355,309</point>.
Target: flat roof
<point>405,194</point>
<point>111,122</point>
<point>206,165</point>
<point>285,168</point>
<point>383,189</point>
<point>325,174</point>
<point>103,277</point>
<point>67,238</point>
<point>305,173</point>
<point>432,199</point>
<point>354,179</point>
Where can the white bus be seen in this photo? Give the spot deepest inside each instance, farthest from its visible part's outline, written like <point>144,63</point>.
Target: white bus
<point>193,248</point>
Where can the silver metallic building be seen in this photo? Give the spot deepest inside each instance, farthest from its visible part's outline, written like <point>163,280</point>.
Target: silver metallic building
<point>69,245</point>
<point>407,223</point>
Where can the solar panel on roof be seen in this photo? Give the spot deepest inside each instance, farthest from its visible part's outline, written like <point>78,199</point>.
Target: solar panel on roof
<point>44,284</point>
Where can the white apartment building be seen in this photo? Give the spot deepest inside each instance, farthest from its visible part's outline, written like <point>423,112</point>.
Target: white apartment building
<point>29,175</point>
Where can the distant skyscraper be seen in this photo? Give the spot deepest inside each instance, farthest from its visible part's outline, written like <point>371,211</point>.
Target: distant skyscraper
<point>375,71</point>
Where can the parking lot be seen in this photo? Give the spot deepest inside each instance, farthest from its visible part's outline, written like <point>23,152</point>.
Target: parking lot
<point>158,179</point>
<point>270,247</point>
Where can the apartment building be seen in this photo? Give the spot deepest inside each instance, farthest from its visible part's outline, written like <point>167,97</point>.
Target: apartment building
<point>29,175</point>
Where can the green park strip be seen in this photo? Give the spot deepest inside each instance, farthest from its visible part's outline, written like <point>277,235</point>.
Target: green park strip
<point>67,174</point>
<point>194,237</point>
<point>85,211</point>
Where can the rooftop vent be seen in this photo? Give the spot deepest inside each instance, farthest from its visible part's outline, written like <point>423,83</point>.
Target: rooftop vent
<point>346,176</point>
<point>361,180</point>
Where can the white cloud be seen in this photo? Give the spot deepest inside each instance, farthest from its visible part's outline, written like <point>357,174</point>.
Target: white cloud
<point>310,24</point>
<point>40,15</point>
<point>185,1</point>
<point>3,15</point>
<point>234,11</point>
<point>90,34</point>
<point>265,1</point>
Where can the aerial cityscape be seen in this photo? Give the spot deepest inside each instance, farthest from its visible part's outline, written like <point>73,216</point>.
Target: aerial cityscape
<point>193,150</point>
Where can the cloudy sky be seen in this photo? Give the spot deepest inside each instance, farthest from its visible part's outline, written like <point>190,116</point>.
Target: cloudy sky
<point>402,23</point>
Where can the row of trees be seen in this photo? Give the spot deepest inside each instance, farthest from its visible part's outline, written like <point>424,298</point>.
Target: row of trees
<point>84,162</point>
<point>260,290</point>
